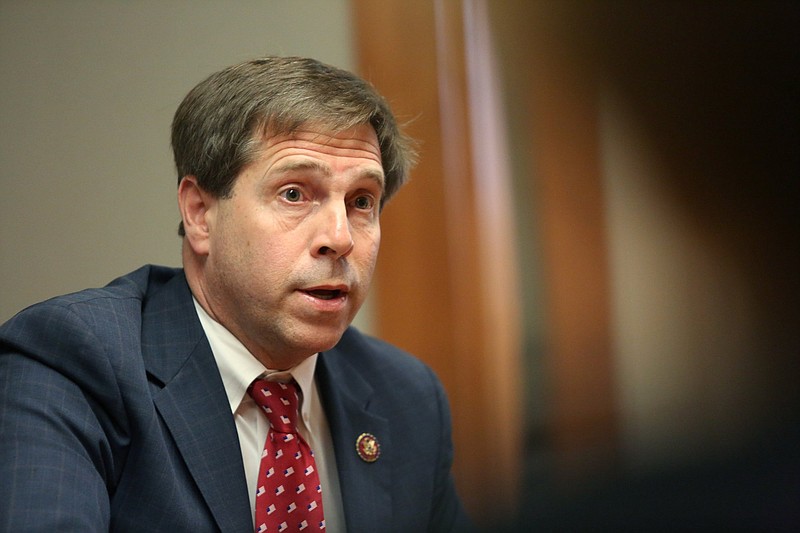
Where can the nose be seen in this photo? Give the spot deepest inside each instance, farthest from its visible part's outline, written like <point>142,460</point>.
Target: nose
<point>333,237</point>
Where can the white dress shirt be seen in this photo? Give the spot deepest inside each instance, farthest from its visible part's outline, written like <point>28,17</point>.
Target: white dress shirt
<point>238,368</point>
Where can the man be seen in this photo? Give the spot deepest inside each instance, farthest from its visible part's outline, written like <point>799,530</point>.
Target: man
<point>139,406</point>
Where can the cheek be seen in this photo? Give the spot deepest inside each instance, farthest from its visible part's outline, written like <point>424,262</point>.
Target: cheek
<point>265,242</point>
<point>376,241</point>
<point>377,236</point>
<point>278,260</point>
<point>276,257</point>
<point>368,255</point>
<point>376,245</point>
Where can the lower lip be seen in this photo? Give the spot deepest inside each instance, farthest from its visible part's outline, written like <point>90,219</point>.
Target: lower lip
<point>333,305</point>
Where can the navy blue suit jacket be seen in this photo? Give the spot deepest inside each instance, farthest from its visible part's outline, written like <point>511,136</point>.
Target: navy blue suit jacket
<point>113,416</point>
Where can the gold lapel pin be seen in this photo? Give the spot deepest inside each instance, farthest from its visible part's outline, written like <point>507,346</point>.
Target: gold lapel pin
<point>368,448</point>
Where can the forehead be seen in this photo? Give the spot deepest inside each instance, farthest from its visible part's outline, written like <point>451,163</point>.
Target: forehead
<point>358,145</point>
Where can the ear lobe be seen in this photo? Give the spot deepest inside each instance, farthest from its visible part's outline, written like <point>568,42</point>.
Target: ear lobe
<point>194,204</point>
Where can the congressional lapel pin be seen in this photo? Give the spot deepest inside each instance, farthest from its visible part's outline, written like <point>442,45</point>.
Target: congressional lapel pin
<point>368,448</point>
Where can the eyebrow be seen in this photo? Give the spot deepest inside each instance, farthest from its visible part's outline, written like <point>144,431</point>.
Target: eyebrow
<point>325,170</point>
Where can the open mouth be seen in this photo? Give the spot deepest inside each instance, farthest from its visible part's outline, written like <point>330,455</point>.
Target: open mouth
<point>325,294</point>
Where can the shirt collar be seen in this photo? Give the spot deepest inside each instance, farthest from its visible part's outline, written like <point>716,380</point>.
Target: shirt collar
<point>238,367</point>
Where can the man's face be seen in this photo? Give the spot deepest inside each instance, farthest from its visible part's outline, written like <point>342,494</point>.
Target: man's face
<point>291,252</point>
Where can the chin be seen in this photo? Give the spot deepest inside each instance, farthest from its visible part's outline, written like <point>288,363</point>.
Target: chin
<point>320,341</point>
<point>329,344</point>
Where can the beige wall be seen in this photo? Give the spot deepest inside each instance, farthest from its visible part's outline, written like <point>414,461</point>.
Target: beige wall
<point>87,93</point>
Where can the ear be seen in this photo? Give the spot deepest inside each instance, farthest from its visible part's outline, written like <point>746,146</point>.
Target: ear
<point>196,207</point>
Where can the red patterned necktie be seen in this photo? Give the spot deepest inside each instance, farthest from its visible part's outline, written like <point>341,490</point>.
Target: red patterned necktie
<point>288,494</point>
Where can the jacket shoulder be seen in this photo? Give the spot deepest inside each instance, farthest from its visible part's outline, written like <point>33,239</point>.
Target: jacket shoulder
<point>134,286</point>
<point>86,321</point>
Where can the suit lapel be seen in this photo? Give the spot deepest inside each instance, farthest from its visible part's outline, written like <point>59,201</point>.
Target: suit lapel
<point>365,487</point>
<point>193,404</point>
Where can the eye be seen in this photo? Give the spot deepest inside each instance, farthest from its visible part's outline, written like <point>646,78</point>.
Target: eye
<point>364,202</point>
<point>292,194</point>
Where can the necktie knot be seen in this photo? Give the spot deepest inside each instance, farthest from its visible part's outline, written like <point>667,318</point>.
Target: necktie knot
<point>279,402</point>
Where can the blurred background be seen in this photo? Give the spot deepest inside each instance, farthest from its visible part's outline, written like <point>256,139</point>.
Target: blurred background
<point>598,252</point>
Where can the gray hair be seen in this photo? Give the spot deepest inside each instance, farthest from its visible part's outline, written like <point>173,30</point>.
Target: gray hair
<point>219,127</point>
